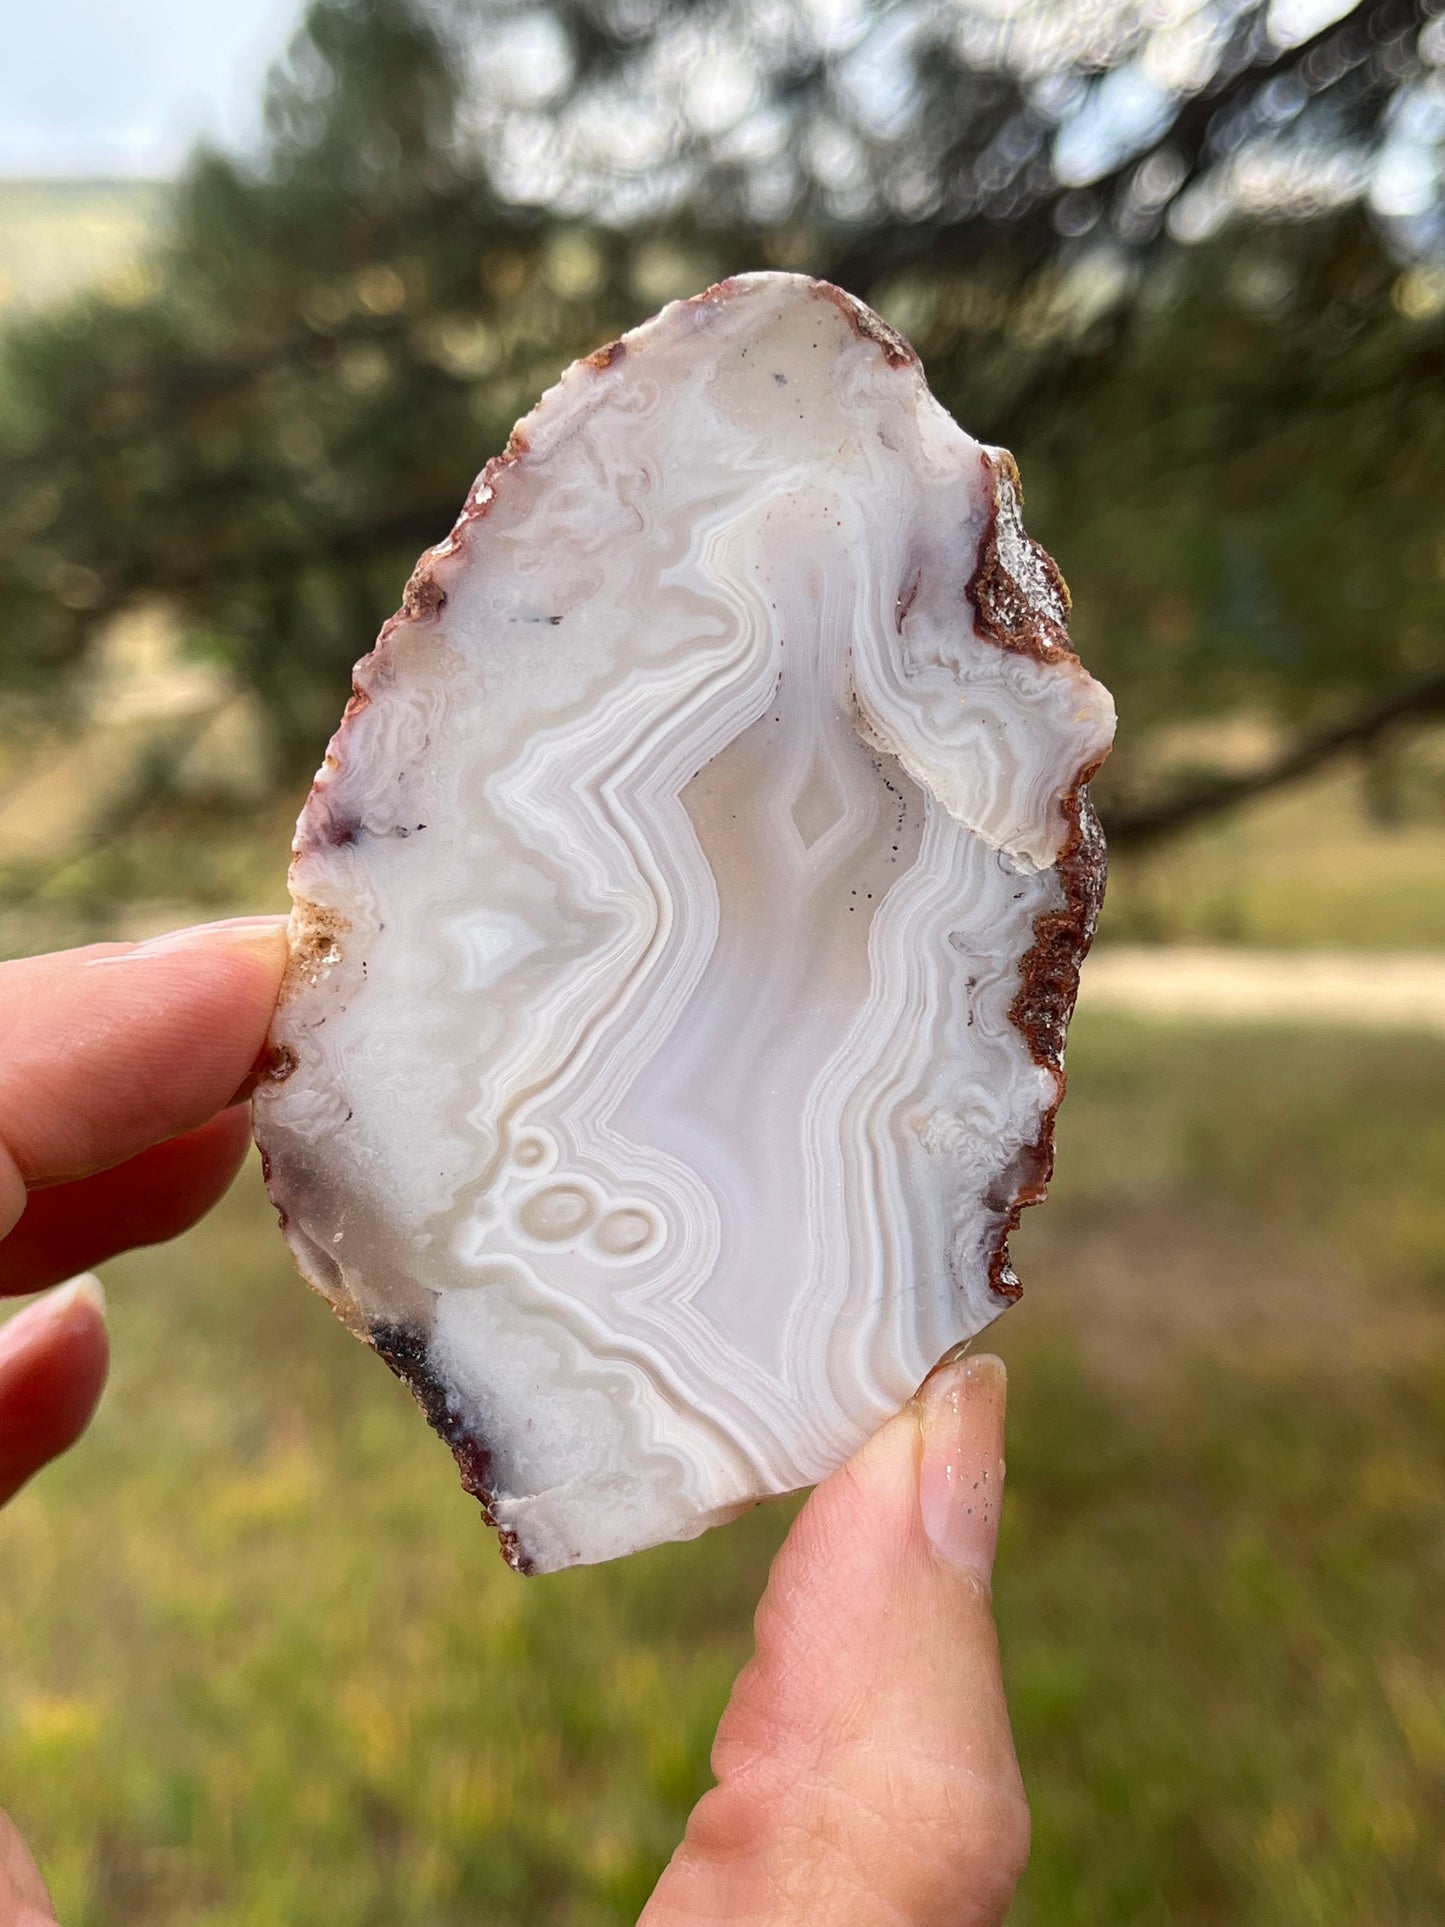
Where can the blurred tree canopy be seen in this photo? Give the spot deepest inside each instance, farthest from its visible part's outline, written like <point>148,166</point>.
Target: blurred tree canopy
<point>1185,257</point>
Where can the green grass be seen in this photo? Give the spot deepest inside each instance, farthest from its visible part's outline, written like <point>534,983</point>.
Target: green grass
<point>264,1665</point>
<point>1223,1562</point>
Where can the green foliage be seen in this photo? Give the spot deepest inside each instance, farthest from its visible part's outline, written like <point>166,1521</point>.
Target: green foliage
<point>1235,448</point>
<point>263,1664</point>
<point>1249,497</point>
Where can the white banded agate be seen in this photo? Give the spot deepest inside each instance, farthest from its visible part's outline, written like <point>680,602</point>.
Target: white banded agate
<point>687,918</point>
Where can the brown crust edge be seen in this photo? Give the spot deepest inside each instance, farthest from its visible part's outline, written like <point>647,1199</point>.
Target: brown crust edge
<point>1006,613</point>
<point>405,1351</point>
<point>1041,1010</point>
<point>1009,617</point>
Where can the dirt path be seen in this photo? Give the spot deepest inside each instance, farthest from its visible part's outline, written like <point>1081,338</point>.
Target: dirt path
<point>1358,989</point>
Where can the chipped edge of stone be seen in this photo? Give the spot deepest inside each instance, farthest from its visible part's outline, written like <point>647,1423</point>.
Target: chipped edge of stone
<point>404,1350</point>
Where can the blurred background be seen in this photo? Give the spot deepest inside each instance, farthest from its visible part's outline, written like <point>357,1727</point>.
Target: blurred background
<point>273,284</point>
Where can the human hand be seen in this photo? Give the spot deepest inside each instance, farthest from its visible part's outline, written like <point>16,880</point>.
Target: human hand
<point>118,1067</point>
<point>865,1767</point>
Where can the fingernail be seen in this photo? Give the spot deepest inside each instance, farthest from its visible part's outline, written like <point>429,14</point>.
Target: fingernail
<point>84,1290</point>
<point>961,1469</point>
<point>260,933</point>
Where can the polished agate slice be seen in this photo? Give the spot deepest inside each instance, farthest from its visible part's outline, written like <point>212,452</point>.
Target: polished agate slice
<point>687,919</point>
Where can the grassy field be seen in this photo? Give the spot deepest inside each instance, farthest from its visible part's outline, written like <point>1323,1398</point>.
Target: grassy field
<point>263,1664</point>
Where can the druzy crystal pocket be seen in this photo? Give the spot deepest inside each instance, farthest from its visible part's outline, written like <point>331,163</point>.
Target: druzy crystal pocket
<point>688,916</point>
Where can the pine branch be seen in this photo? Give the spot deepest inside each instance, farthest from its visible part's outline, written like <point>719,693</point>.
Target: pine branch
<point>1411,703</point>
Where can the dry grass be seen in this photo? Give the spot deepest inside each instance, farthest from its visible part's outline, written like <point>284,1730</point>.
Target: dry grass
<point>1311,865</point>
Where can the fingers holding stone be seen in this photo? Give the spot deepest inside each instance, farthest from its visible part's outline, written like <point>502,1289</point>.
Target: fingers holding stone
<point>107,1051</point>
<point>865,1765</point>
<point>66,1228</point>
<point>53,1360</point>
<point>961,1463</point>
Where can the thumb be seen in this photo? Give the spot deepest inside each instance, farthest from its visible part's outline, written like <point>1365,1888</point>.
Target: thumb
<point>865,1767</point>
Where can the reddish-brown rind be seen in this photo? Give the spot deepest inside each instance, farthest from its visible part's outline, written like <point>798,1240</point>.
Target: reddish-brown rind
<point>1048,990</point>
<point>1005,614</point>
<point>1010,612</point>
<point>423,596</point>
<point>868,326</point>
<point>275,1064</point>
<point>1016,617</point>
<point>405,1351</point>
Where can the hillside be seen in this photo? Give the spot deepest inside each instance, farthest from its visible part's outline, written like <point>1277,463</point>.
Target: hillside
<point>59,236</point>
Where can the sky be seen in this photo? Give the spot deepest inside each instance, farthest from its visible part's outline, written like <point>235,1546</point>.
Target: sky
<point>124,87</point>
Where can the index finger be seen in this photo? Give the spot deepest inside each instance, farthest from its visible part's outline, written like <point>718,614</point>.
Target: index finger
<point>108,1050</point>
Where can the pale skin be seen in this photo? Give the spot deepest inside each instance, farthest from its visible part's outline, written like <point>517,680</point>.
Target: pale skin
<point>865,1769</point>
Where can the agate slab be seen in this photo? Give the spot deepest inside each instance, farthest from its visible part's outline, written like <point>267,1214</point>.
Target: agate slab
<point>687,920</point>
